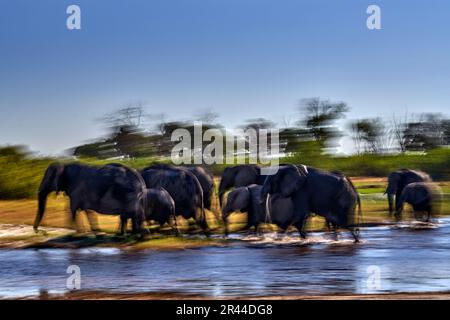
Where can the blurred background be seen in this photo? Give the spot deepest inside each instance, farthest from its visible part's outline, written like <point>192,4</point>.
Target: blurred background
<point>344,97</point>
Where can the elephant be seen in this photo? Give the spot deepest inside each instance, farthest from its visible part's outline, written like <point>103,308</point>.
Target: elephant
<point>239,176</point>
<point>248,199</point>
<point>184,188</point>
<point>398,180</point>
<point>206,180</point>
<point>328,194</point>
<point>422,196</point>
<point>245,199</point>
<point>111,189</point>
<point>160,208</point>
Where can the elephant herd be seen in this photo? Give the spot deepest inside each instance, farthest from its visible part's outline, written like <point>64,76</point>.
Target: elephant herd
<point>162,192</point>
<point>158,192</point>
<point>413,187</point>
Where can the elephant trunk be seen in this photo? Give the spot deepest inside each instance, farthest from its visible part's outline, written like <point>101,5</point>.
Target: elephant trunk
<point>42,201</point>
<point>225,223</point>
<point>222,189</point>
<point>399,207</point>
<point>221,198</point>
<point>225,213</point>
<point>225,183</point>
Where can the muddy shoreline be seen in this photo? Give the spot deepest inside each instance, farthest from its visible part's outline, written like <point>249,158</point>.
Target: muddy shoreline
<point>19,236</point>
<point>102,295</point>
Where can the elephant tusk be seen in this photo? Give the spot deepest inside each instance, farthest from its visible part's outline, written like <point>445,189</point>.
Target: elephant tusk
<point>268,217</point>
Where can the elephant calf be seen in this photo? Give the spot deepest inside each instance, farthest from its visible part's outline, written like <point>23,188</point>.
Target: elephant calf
<point>248,199</point>
<point>239,176</point>
<point>245,199</point>
<point>184,188</point>
<point>422,196</point>
<point>397,181</point>
<point>160,207</point>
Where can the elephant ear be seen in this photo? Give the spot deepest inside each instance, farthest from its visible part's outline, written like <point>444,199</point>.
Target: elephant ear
<point>422,195</point>
<point>291,180</point>
<point>152,195</point>
<point>241,199</point>
<point>52,178</point>
<point>393,182</point>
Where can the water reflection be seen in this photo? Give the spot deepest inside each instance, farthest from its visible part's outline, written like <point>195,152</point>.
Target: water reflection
<point>409,260</point>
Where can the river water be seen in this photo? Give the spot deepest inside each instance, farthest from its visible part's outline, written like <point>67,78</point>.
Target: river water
<point>403,258</point>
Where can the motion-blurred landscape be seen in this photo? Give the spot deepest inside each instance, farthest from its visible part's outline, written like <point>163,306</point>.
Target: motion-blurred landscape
<point>138,139</point>
<point>358,97</point>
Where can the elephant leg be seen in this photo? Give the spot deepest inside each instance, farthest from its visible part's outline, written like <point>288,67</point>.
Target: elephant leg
<point>123,225</point>
<point>135,226</point>
<point>329,225</point>
<point>203,225</point>
<point>343,221</point>
<point>398,215</point>
<point>74,211</point>
<point>300,226</point>
<point>93,220</point>
<point>355,233</point>
<point>335,233</point>
<point>258,231</point>
<point>248,226</point>
<point>332,227</point>
<point>255,230</point>
<point>428,212</point>
<point>174,226</point>
<point>277,233</point>
<point>398,203</point>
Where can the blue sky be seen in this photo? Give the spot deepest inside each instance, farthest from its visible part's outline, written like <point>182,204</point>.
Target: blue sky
<point>242,58</point>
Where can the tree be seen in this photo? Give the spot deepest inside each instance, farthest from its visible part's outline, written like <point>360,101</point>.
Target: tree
<point>126,136</point>
<point>131,115</point>
<point>319,119</point>
<point>368,135</point>
<point>398,126</point>
<point>292,140</point>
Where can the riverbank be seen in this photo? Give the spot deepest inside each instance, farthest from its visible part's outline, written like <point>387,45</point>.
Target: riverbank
<point>22,236</point>
<point>57,231</point>
<point>102,295</point>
